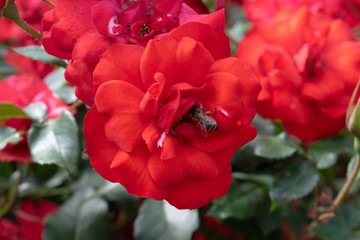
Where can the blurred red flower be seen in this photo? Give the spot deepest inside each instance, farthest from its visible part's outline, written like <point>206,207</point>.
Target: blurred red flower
<point>347,10</point>
<point>168,118</point>
<point>22,90</point>
<point>83,30</point>
<point>8,230</point>
<point>308,65</point>
<point>30,218</point>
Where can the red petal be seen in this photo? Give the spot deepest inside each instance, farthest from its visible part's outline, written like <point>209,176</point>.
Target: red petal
<point>125,68</point>
<point>151,135</point>
<point>100,150</point>
<point>91,46</point>
<point>166,173</point>
<point>121,101</point>
<point>189,61</point>
<point>249,85</point>
<point>199,165</point>
<point>130,169</point>
<point>171,7</point>
<point>213,38</point>
<point>66,32</point>
<point>191,194</point>
<point>79,73</point>
<point>102,14</point>
<point>149,104</point>
<point>218,140</point>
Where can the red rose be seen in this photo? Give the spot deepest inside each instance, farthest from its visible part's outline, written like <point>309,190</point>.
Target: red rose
<point>8,230</point>
<point>83,30</point>
<point>308,65</point>
<point>22,90</point>
<point>258,10</point>
<point>167,119</point>
<point>30,217</point>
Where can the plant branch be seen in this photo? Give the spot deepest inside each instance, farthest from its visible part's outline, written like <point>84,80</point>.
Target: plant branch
<point>12,12</point>
<point>345,189</point>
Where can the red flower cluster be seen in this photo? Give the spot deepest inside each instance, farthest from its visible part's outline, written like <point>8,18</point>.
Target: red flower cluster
<point>347,10</point>
<point>30,217</point>
<point>168,118</point>
<point>83,30</point>
<point>308,65</point>
<point>22,90</point>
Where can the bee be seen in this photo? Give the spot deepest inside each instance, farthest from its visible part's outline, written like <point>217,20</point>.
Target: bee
<point>202,118</point>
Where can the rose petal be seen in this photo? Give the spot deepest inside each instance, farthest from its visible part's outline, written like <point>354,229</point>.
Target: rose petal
<point>180,61</point>
<point>100,150</point>
<point>249,87</point>
<point>130,169</point>
<point>121,101</point>
<point>125,68</point>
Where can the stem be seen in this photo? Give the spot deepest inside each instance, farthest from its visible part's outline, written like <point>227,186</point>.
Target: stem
<point>29,29</point>
<point>75,105</point>
<point>49,2</point>
<point>12,12</point>
<point>345,189</point>
<point>13,191</point>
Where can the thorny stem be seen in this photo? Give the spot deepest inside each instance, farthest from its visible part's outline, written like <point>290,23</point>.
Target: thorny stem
<point>13,191</point>
<point>345,189</point>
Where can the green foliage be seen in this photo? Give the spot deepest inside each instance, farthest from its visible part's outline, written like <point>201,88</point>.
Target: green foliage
<point>57,83</point>
<point>294,182</point>
<point>10,111</point>
<point>161,221</point>
<point>36,111</point>
<point>325,152</point>
<point>344,225</point>
<point>39,54</point>
<point>8,135</point>
<point>241,202</point>
<point>56,142</point>
<point>272,147</point>
<point>82,217</point>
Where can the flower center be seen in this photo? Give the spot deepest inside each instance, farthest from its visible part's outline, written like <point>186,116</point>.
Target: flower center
<point>196,120</point>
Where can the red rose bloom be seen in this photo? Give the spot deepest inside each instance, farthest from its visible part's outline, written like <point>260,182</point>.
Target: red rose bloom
<point>308,65</point>
<point>22,90</point>
<point>347,10</point>
<point>30,217</point>
<point>83,30</point>
<point>167,119</point>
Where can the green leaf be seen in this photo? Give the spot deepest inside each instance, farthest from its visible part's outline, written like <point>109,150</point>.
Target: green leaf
<point>272,147</point>
<point>57,83</point>
<point>294,182</point>
<point>56,142</point>
<point>341,226</point>
<point>79,218</point>
<point>36,111</point>
<point>263,179</point>
<point>241,202</point>
<point>38,53</point>
<point>326,151</point>
<point>158,220</point>
<point>8,135</point>
<point>10,111</point>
